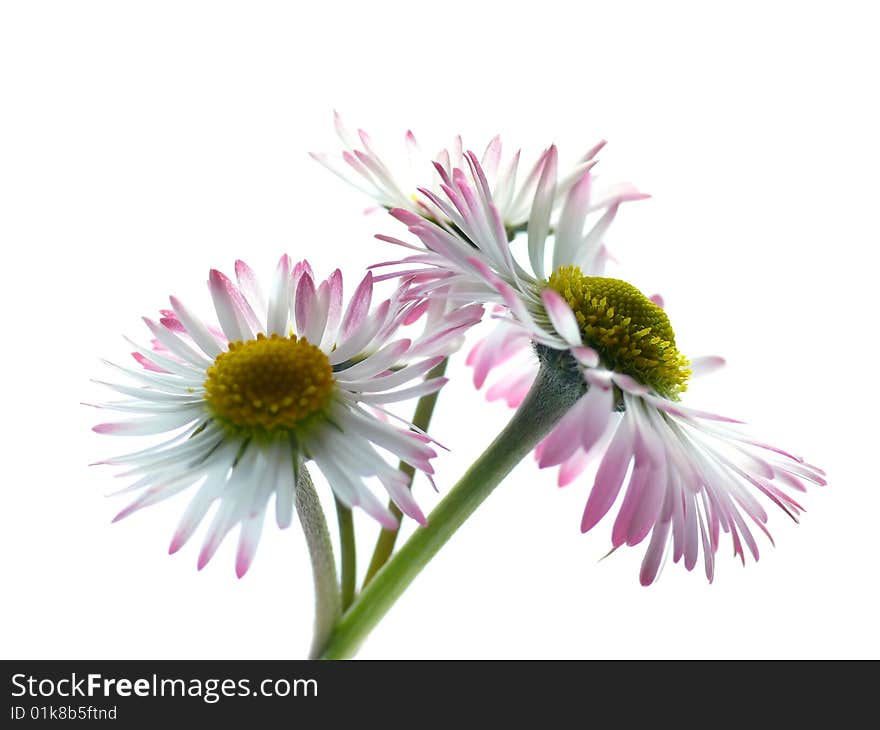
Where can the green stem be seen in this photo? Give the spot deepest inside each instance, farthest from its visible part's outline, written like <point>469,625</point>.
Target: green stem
<point>328,606</point>
<point>550,397</point>
<point>421,419</point>
<point>348,553</point>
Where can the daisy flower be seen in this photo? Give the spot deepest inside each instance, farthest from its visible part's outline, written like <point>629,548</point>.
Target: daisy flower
<point>288,376</point>
<point>686,475</point>
<point>472,232</point>
<point>361,165</point>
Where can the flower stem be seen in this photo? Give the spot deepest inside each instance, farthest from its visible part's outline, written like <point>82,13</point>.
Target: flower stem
<point>550,397</point>
<point>348,551</point>
<point>421,419</point>
<point>328,606</point>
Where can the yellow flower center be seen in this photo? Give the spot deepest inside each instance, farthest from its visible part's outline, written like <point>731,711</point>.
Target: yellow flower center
<point>269,384</point>
<point>631,334</point>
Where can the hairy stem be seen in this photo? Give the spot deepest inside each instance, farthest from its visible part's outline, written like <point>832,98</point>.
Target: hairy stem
<point>328,606</point>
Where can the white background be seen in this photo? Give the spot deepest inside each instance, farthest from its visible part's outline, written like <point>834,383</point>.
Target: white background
<point>143,143</point>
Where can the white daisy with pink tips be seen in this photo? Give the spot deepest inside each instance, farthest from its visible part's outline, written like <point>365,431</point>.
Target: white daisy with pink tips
<point>513,184</point>
<point>290,375</point>
<point>685,475</point>
<point>469,257</point>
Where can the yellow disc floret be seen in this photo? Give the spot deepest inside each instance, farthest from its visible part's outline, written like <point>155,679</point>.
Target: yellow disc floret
<point>269,384</point>
<point>631,334</point>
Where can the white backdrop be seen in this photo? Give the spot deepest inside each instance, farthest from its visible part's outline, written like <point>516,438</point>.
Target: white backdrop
<point>143,143</point>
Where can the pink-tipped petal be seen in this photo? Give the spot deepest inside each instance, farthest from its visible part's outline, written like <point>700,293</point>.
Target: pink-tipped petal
<point>569,230</point>
<point>654,554</point>
<point>334,311</point>
<point>586,356</point>
<point>542,206</point>
<point>200,333</point>
<point>304,303</point>
<point>562,318</point>
<point>148,364</point>
<point>358,306</point>
<point>573,467</point>
<point>629,384</point>
<point>609,477</point>
<point>230,318</point>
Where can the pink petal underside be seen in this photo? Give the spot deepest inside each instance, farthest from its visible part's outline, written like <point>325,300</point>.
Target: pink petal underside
<point>318,318</point>
<point>402,496</point>
<point>676,515</point>
<point>531,177</point>
<point>492,155</point>
<point>169,319</point>
<point>708,553</point>
<point>542,206</point>
<point>629,384</point>
<point>497,348</point>
<point>647,511</point>
<point>231,318</point>
<point>562,318</point>
<point>690,413</point>
<point>415,312</point>
<point>571,221</point>
<point>791,480</point>
<point>479,177</point>
<point>594,150</point>
<point>586,356</point>
<point>634,492</point>
<point>248,283</point>
<point>358,306</point>
<point>511,299</point>
<point>781,499</point>
<point>805,472</point>
<point>407,217</point>
<point>148,364</point>
<point>691,536</point>
<point>174,345</point>
<point>243,305</point>
<point>712,517</point>
<point>609,476</point>
<point>443,168</point>
<point>304,303</point>
<point>506,181</point>
<point>573,467</point>
<point>584,424</point>
<point>342,131</point>
<point>457,148</point>
<point>465,201</point>
<point>334,311</point>
<point>644,497</point>
<point>654,553</point>
<point>513,389</point>
<point>565,437</point>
